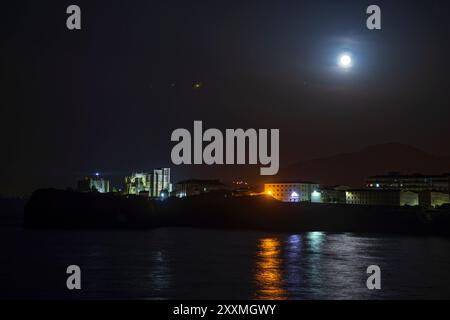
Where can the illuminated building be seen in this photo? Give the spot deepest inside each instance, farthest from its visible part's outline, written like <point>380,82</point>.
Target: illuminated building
<point>335,194</point>
<point>316,196</point>
<point>194,187</point>
<point>159,182</point>
<point>294,191</point>
<point>433,199</point>
<point>153,184</point>
<point>381,197</point>
<point>93,184</point>
<point>414,182</point>
<point>137,183</point>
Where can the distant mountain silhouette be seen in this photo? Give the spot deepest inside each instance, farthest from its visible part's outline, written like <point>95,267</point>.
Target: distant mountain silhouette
<point>352,168</point>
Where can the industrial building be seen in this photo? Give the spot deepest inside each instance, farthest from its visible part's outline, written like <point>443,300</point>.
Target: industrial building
<point>416,182</point>
<point>291,191</point>
<point>335,194</point>
<point>93,184</point>
<point>433,199</point>
<point>137,183</point>
<point>381,197</point>
<point>153,184</point>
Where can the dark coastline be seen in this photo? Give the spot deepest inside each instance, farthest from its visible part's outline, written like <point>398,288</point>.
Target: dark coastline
<point>67,209</point>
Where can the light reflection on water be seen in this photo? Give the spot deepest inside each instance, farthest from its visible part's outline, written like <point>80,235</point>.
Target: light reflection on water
<point>160,274</point>
<point>217,264</point>
<point>316,265</point>
<point>294,274</point>
<point>268,270</point>
<point>313,247</point>
<point>280,266</point>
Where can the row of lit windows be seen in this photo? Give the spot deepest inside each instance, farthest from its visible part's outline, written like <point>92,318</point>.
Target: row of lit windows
<point>286,189</point>
<point>283,186</point>
<point>287,196</point>
<point>366,202</point>
<point>377,197</point>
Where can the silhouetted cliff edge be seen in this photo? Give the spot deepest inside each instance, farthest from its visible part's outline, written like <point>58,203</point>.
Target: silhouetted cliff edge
<point>67,209</point>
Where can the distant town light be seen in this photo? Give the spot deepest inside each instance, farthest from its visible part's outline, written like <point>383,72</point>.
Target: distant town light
<point>198,85</point>
<point>294,194</point>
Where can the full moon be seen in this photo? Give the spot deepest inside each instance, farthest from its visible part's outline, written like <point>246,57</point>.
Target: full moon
<point>345,61</point>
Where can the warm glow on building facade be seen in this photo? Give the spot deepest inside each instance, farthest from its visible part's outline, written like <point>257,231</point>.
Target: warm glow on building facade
<point>291,191</point>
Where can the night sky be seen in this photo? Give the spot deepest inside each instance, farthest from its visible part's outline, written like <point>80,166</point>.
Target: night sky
<point>108,97</point>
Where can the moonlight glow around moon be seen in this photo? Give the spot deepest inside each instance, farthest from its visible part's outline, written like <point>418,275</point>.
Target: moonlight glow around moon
<point>345,61</point>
